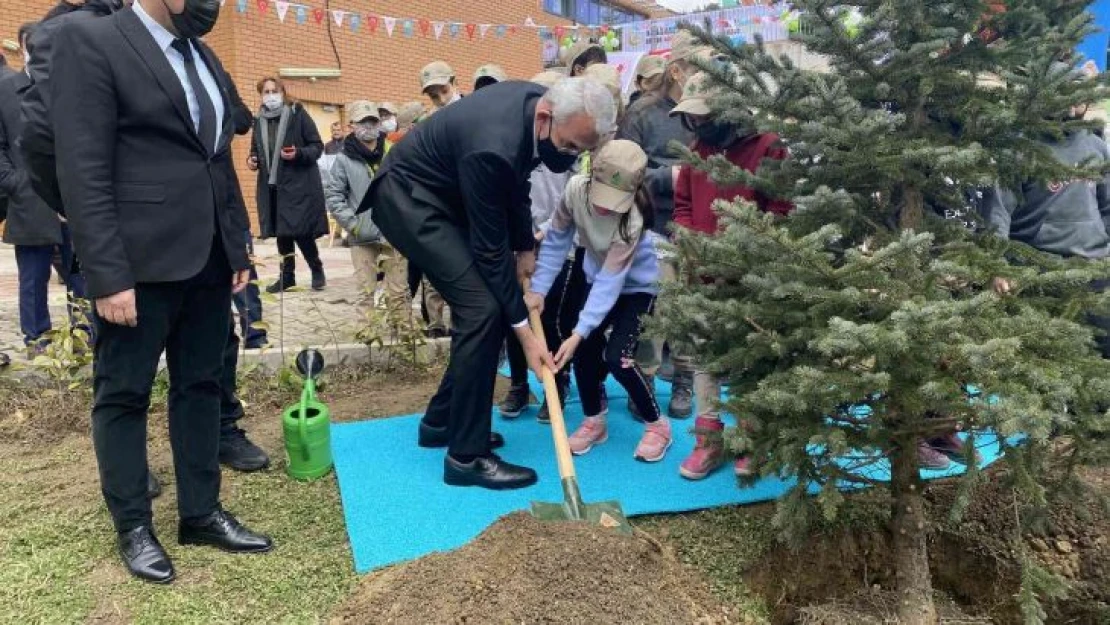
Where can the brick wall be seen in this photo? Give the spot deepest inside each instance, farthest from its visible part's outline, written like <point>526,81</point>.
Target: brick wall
<point>374,66</point>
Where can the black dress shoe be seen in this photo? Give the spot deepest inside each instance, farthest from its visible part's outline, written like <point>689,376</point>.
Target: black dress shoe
<point>144,556</point>
<point>487,472</point>
<point>239,453</point>
<point>222,530</point>
<point>153,485</point>
<point>438,437</point>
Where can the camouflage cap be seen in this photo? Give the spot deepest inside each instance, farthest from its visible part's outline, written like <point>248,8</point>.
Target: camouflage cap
<point>616,173</point>
<point>360,110</point>
<point>435,74</point>
<point>491,70</point>
<point>650,65</point>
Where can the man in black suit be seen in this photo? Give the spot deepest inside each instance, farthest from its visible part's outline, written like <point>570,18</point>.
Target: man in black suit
<point>453,197</point>
<point>141,124</point>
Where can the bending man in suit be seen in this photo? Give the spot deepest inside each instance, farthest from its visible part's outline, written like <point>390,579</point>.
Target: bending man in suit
<point>142,125</point>
<point>453,197</point>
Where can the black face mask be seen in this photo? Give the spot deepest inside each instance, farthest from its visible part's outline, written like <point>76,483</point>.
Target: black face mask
<point>558,162</point>
<point>716,134</point>
<point>197,19</point>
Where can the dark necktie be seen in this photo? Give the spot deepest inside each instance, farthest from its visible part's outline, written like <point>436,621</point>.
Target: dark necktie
<point>207,129</point>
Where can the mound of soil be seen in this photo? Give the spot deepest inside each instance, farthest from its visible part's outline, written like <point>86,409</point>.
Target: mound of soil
<point>523,571</point>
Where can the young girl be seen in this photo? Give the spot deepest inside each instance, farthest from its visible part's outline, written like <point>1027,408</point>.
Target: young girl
<point>611,211</point>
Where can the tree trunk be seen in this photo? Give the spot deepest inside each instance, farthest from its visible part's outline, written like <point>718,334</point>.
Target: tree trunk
<point>911,550</point>
<point>913,209</point>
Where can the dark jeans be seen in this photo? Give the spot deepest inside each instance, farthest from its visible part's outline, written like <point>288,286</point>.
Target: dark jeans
<point>617,355</point>
<point>189,320</point>
<point>34,265</point>
<point>287,247</point>
<point>248,303</point>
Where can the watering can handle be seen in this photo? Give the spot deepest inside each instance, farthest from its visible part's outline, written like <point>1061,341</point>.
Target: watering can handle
<point>558,425</point>
<point>302,423</point>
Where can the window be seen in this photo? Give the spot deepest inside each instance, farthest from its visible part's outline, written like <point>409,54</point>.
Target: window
<point>591,11</point>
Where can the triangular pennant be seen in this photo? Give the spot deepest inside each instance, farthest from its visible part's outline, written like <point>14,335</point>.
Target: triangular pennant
<point>372,23</point>
<point>425,26</point>
<point>390,22</point>
<point>500,30</point>
<point>513,29</point>
<point>263,5</point>
<point>407,28</point>
<point>528,21</point>
<point>282,7</point>
<point>319,15</point>
<point>559,32</point>
<point>338,15</point>
<point>604,29</point>
<point>302,15</point>
<point>454,29</point>
<point>241,6</point>
<point>483,29</point>
<point>438,28</point>
<point>470,28</point>
<point>355,22</point>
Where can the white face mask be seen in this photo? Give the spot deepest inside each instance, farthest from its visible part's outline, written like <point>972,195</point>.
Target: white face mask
<point>366,132</point>
<point>272,101</point>
<point>389,125</point>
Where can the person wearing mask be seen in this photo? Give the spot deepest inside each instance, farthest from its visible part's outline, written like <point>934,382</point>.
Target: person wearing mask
<point>33,228</point>
<point>454,201</point>
<point>284,151</point>
<point>160,235</point>
<point>331,148</point>
<point>437,82</point>
<point>649,76</point>
<point>582,54</point>
<point>610,211</point>
<point>650,125</point>
<point>489,74</point>
<point>387,115</point>
<point>354,168</point>
<point>695,194</point>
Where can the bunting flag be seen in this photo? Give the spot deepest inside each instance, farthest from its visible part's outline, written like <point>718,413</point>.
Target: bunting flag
<point>500,30</point>
<point>438,28</point>
<point>281,7</point>
<point>338,16</point>
<point>454,29</point>
<point>263,5</point>
<point>406,28</point>
<point>425,25</point>
<point>372,23</point>
<point>241,6</point>
<point>470,28</point>
<point>318,15</point>
<point>483,29</point>
<point>390,22</point>
<point>355,22</point>
<point>302,14</point>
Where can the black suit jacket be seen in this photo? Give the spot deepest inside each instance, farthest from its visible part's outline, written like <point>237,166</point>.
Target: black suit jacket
<point>30,221</point>
<point>475,157</point>
<point>142,193</point>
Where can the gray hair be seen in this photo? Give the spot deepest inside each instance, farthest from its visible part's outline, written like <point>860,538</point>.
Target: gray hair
<point>573,96</point>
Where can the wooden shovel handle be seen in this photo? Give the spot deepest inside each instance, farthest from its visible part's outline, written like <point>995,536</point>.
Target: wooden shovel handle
<point>554,406</point>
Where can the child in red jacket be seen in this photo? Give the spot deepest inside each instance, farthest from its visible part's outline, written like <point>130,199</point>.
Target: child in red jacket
<point>694,194</point>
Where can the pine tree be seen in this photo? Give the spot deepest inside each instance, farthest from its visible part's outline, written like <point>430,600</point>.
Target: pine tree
<point>865,295</point>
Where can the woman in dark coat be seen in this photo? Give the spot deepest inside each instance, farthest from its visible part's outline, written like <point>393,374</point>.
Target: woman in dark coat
<point>284,151</point>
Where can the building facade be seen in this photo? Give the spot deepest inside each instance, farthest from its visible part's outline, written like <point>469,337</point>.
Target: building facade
<point>372,64</point>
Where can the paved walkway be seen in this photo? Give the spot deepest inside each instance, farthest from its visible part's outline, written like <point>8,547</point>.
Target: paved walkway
<point>301,319</point>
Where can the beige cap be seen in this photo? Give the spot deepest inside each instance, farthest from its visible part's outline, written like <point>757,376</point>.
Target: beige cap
<point>650,65</point>
<point>569,55</point>
<point>389,107</point>
<point>616,172</point>
<point>490,70</point>
<point>547,79</point>
<point>360,110</point>
<point>436,73</point>
<point>609,76</point>
<point>410,112</point>
<point>684,47</point>
<point>696,94</point>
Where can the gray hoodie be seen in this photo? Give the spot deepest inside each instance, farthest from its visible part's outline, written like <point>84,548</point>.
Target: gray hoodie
<point>1065,218</point>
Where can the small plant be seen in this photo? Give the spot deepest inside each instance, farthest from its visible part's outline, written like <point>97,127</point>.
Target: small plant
<point>66,352</point>
<point>393,328</point>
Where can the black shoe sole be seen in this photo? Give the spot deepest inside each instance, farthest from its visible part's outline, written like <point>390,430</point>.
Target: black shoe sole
<point>458,480</point>
<point>508,414</point>
<point>160,582</point>
<point>243,468</point>
<point>202,543</point>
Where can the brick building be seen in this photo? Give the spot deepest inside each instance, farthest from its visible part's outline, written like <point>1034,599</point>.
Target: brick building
<point>373,66</point>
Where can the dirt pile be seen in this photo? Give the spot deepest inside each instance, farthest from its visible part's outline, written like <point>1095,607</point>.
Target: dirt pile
<point>524,571</point>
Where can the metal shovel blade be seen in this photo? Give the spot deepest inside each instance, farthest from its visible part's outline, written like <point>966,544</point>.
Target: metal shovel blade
<point>607,514</point>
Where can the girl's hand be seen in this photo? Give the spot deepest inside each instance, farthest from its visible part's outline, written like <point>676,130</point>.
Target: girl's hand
<point>534,301</point>
<point>566,351</point>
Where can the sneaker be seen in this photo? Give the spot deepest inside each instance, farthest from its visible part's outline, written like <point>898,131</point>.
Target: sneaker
<point>515,402</point>
<point>655,442</point>
<point>953,447</point>
<point>319,280</point>
<point>682,396</point>
<point>709,450</point>
<point>562,384</point>
<point>239,453</point>
<point>593,431</point>
<point>743,466</point>
<point>930,458</point>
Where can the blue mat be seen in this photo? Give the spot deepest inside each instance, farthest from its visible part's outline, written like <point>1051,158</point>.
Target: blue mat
<point>397,507</point>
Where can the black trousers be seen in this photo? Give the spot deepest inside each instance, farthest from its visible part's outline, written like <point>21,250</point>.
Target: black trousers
<point>189,320</point>
<point>231,409</point>
<point>287,247</point>
<point>423,234</point>
<point>562,305</point>
<point>596,356</point>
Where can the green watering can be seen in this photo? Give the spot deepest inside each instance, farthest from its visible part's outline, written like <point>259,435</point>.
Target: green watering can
<point>307,425</point>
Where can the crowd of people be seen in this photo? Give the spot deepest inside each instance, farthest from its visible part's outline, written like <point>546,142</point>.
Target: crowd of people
<point>561,206</point>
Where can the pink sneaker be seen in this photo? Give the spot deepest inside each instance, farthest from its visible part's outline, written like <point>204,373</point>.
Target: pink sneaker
<point>952,445</point>
<point>930,458</point>
<point>742,467</point>
<point>593,431</point>
<point>709,451</point>
<point>655,442</point>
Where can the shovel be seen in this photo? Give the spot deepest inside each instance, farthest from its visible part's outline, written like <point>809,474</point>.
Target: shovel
<point>572,508</point>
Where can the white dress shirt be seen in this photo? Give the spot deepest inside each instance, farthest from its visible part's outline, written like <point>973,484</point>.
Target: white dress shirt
<point>165,39</point>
